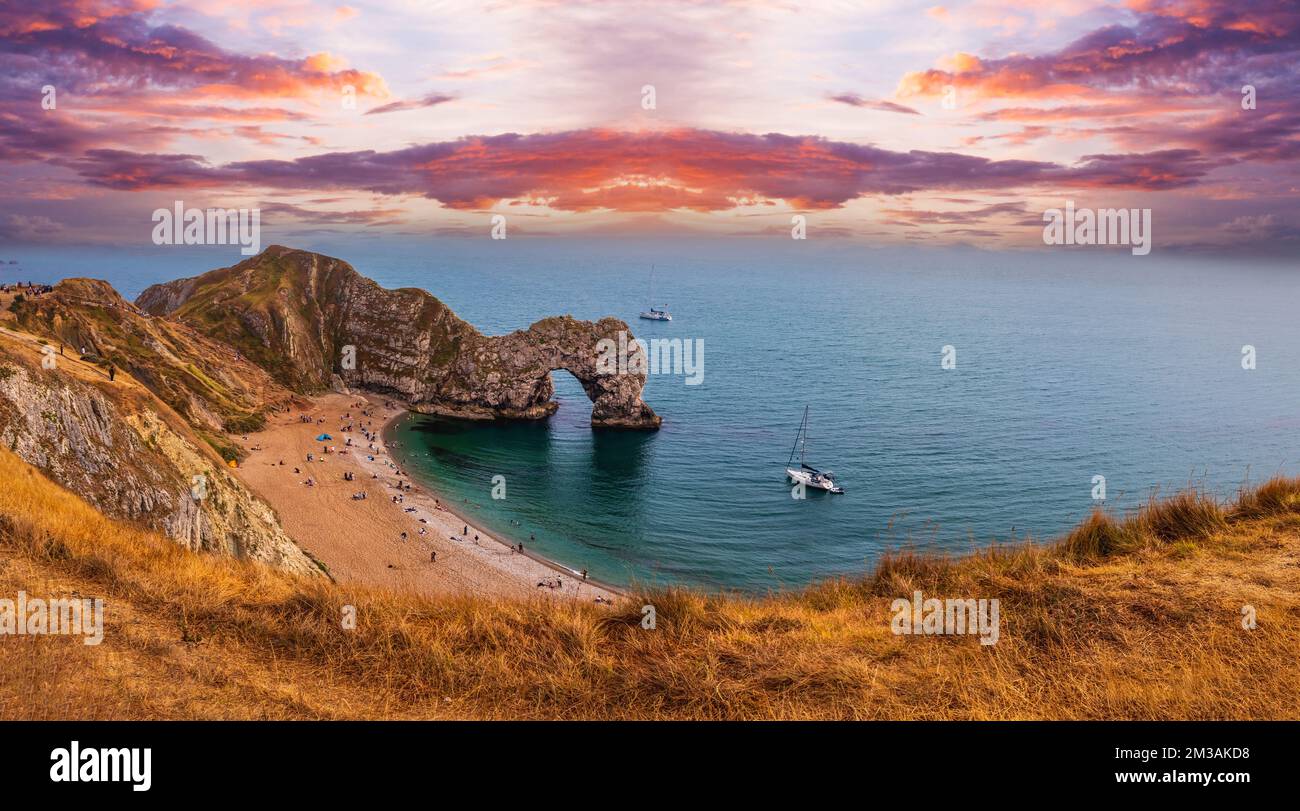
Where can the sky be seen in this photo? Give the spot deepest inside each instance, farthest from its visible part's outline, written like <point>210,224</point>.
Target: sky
<point>889,122</point>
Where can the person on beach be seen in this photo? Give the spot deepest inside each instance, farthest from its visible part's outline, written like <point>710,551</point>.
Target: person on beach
<point>433,557</point>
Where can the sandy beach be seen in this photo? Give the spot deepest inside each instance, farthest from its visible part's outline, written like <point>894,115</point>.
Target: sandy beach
<point>360,540</point>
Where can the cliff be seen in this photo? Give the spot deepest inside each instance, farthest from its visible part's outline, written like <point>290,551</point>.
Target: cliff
<point>314,323</point>
<point>130,456</point>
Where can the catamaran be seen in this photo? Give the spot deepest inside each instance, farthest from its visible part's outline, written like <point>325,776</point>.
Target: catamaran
<point>806,474</point>
<point>656,313</point>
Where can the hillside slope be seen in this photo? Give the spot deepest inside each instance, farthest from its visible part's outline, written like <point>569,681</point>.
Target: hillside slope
<point>1133,619</point>
<point>206,381</point>
<point>131,456</point>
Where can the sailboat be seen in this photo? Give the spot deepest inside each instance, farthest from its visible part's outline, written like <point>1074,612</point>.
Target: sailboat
<point>656,313</point>
<point>806,474</point>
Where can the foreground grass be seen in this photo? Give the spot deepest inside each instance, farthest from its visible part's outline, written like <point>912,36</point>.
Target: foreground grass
<point>1132,618</point>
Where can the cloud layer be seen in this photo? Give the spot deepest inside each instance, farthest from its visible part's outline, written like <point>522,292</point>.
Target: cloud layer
<point>689,169</point>
<point>250,101</point>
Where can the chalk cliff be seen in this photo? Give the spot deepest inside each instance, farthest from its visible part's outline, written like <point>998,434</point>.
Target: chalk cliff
<point>132,457</point>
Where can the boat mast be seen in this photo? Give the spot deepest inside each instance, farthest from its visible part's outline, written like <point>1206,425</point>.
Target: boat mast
<point>798,438</point>
<point>803,449</point>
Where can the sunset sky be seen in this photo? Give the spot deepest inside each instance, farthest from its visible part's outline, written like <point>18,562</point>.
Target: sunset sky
<point>762,110</point>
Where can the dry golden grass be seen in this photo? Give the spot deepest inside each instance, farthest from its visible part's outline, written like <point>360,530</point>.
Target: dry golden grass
<point>1133,618</point>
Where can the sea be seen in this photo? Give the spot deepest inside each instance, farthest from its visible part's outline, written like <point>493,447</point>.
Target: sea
<point>962,397</point>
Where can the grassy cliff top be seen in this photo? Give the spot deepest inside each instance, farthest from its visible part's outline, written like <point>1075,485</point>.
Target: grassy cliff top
<point>1133,618</point>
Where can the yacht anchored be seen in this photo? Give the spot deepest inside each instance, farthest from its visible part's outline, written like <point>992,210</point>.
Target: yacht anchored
<point>806,474</point>
<point>656,313</point>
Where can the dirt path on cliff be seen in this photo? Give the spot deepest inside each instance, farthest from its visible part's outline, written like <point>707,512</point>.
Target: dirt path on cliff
<point>360,541</point>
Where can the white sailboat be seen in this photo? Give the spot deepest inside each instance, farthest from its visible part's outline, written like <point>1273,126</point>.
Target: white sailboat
<point>806,474</point>
<point>656,313</point>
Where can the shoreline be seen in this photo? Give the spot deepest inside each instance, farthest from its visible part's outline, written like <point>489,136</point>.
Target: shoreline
<point>404,412</point>
<point>364,529</point>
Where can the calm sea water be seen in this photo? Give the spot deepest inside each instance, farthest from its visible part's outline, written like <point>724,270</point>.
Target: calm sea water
<point>1068,365</point>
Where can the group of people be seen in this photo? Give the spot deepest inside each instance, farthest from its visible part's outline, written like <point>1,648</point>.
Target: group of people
<point>27,288</point>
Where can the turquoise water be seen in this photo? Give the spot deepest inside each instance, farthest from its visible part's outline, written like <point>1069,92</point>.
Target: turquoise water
<point>1069,365</point>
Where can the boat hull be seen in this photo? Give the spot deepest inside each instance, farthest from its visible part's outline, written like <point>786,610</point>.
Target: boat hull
<point>816,482</point>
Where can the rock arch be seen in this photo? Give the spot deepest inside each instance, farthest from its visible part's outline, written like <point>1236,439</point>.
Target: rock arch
<point>510,375</point>
<point>299,315</point>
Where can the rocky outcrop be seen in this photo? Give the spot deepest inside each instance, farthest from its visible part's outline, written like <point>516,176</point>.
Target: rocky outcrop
<point>509,375</point>
<point>115,446</point>
<point>315,323</point>
<point>163,298</point>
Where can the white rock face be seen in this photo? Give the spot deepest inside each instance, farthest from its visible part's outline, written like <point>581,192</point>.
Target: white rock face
<point>125,460</point>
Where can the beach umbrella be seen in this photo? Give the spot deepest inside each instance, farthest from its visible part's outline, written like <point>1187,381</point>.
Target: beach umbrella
<point>323,437</point>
